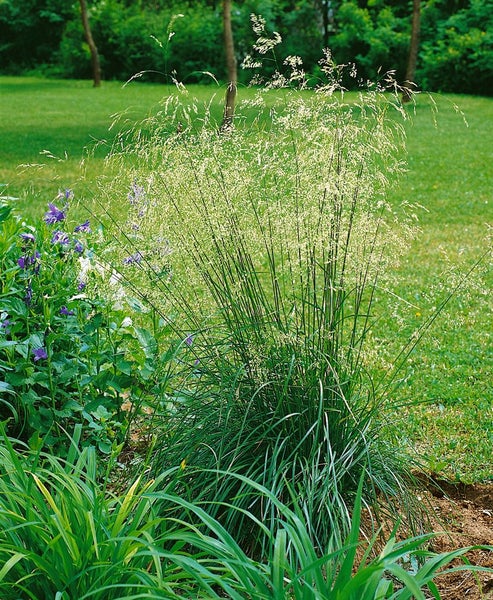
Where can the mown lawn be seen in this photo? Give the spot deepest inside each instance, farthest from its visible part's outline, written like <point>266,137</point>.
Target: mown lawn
<point>450,176</point>
<point>447,382</point>
<point>49,126</point>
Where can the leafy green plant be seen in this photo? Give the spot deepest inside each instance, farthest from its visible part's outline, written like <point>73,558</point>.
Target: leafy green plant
<point>456,55</point>
<point>66,356</point>
<point>64,535</point>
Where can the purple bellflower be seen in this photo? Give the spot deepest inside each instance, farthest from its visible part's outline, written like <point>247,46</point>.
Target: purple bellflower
<point>27,261</point>
<point>60,237</point>
<point>133,259</point>
<point>65,195</point>
<point>28,237</point>
<point>54,215</point>
<point>5,326</point>
<point>83,227</point>
<point>39,354</point>
<point>28,297</point>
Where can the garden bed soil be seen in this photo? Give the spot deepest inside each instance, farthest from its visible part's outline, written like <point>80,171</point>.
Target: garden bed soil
<point>465,512</point>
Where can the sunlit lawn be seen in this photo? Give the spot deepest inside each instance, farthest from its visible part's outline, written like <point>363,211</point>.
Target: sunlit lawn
<point>49,126</point>
<point>450,175</point>
<point>46,125</point>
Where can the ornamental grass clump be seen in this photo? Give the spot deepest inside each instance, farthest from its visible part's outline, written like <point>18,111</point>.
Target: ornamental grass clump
<point>263,249</point>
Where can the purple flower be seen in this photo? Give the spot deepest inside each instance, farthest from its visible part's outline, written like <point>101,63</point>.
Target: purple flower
<point>36,262</point>
<point>26,261</point>
<point>5,326</point>
<point>136,193</point>
<point>28,237</point>
<point>133,259</point>
<point>39,354</point>
<point>54,215</point>
<point>66,195</point>
<point>60,237</point>
<point>65,311</point>
<point>78,247</point>
<point>83,227</point>
<point>28,297</point>
<point>189,340</point>
<point>81,286</point>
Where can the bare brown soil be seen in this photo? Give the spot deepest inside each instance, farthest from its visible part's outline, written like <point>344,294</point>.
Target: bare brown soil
<point>465,512</point>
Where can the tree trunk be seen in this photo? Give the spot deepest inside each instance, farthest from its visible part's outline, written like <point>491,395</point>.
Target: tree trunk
<point>413,51</point>
<point>96,67</point>
<point>229,49</point>
<point>325,23</point>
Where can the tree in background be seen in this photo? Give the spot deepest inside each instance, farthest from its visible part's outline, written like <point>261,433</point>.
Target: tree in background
<point>455,48</point>
<point>456,53</point>
<point>372,34</point>
<point>413,51</point>
<point>231,67</point>
<point>327,12</point>
<point>31,32</point>
<point>96,67</point>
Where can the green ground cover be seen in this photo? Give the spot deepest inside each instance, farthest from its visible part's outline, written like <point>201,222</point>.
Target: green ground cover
<point>449,177</point>
<point>49,126</point>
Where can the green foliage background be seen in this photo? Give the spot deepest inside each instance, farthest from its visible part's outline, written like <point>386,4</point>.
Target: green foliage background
<point>45,36</point>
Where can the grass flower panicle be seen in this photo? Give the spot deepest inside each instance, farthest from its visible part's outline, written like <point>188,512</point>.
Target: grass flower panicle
<point>280,237</point>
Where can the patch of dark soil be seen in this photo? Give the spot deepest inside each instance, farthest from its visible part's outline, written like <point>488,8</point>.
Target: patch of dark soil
<point>465,513</point>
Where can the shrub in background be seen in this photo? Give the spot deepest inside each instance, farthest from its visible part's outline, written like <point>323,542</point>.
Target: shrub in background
<point>459,55</point>
<point>375,37</point>
<point>30,33</point>
<point>46,37</point>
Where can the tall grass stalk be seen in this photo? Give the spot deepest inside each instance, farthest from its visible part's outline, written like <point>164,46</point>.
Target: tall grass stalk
<point>263,249</point>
